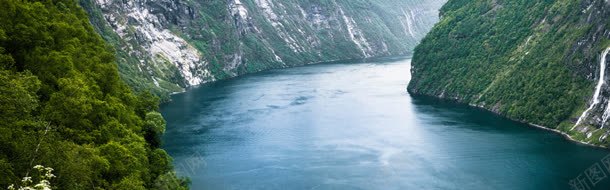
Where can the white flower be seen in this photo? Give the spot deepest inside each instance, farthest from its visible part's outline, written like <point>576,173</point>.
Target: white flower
<point>44,184</point>
<point>49,175</point>
<point>27,180</point>
<point>38,167</point>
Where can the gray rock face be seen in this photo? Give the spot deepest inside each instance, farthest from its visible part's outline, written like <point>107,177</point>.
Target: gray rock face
<point>593,122</point>
<point>595,117</point>
<point>168,45</point>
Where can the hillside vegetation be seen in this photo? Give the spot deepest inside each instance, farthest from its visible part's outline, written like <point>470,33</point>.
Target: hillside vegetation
<point>172,45</point>
<point>63,105</point>
<point>530,60</point>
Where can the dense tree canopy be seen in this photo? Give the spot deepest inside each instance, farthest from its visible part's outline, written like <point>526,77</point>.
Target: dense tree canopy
<point>526,59</point>
<point>63,105</point>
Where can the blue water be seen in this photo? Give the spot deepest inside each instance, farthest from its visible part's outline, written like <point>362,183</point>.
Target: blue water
<point>352,125</point>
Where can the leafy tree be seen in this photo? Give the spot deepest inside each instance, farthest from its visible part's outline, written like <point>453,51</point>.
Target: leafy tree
<point>63,105</point>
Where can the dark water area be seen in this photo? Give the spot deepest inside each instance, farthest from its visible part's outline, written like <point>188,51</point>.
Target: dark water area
<point>352,125</point>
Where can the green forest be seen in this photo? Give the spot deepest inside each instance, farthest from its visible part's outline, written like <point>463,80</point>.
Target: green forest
<point>64,106</point>
<point>78,112</point>
<point>521,59</point>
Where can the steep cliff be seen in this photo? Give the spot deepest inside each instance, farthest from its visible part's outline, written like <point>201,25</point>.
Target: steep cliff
<point>541,62</point>
<point>168,45</point>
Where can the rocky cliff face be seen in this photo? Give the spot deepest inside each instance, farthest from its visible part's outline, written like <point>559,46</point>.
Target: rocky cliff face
<point>541,62</point>
<point>168,45</point>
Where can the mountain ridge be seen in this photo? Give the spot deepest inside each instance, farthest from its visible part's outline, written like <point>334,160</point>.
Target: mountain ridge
<point>171,45</point>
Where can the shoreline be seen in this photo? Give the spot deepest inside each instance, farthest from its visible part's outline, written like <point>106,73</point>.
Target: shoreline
<point>405,56</point>
<point>564,134</point>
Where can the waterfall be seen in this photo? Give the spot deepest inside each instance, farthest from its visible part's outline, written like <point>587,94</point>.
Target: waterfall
<point>409,23</point>
<point>600,83</point>
<point>607,111</point>
<point>355,34</point>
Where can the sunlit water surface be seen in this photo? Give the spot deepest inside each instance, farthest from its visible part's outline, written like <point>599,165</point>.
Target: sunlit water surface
<point>352,125</point>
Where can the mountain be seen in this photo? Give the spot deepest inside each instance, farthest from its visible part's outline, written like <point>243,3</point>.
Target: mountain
<point>169,45</point>
<point>75,76</point>
<point>536,61</point>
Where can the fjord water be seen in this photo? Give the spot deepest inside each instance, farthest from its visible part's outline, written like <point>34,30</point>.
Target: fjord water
<point>352,125</point>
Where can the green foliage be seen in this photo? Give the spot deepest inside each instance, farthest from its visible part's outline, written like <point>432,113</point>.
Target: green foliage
<point>294,37</point>
<point>519,58</point>
<point>44,177</point>
<point>168,181</point>
<point>154,127</point>
<point>63,105</point>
